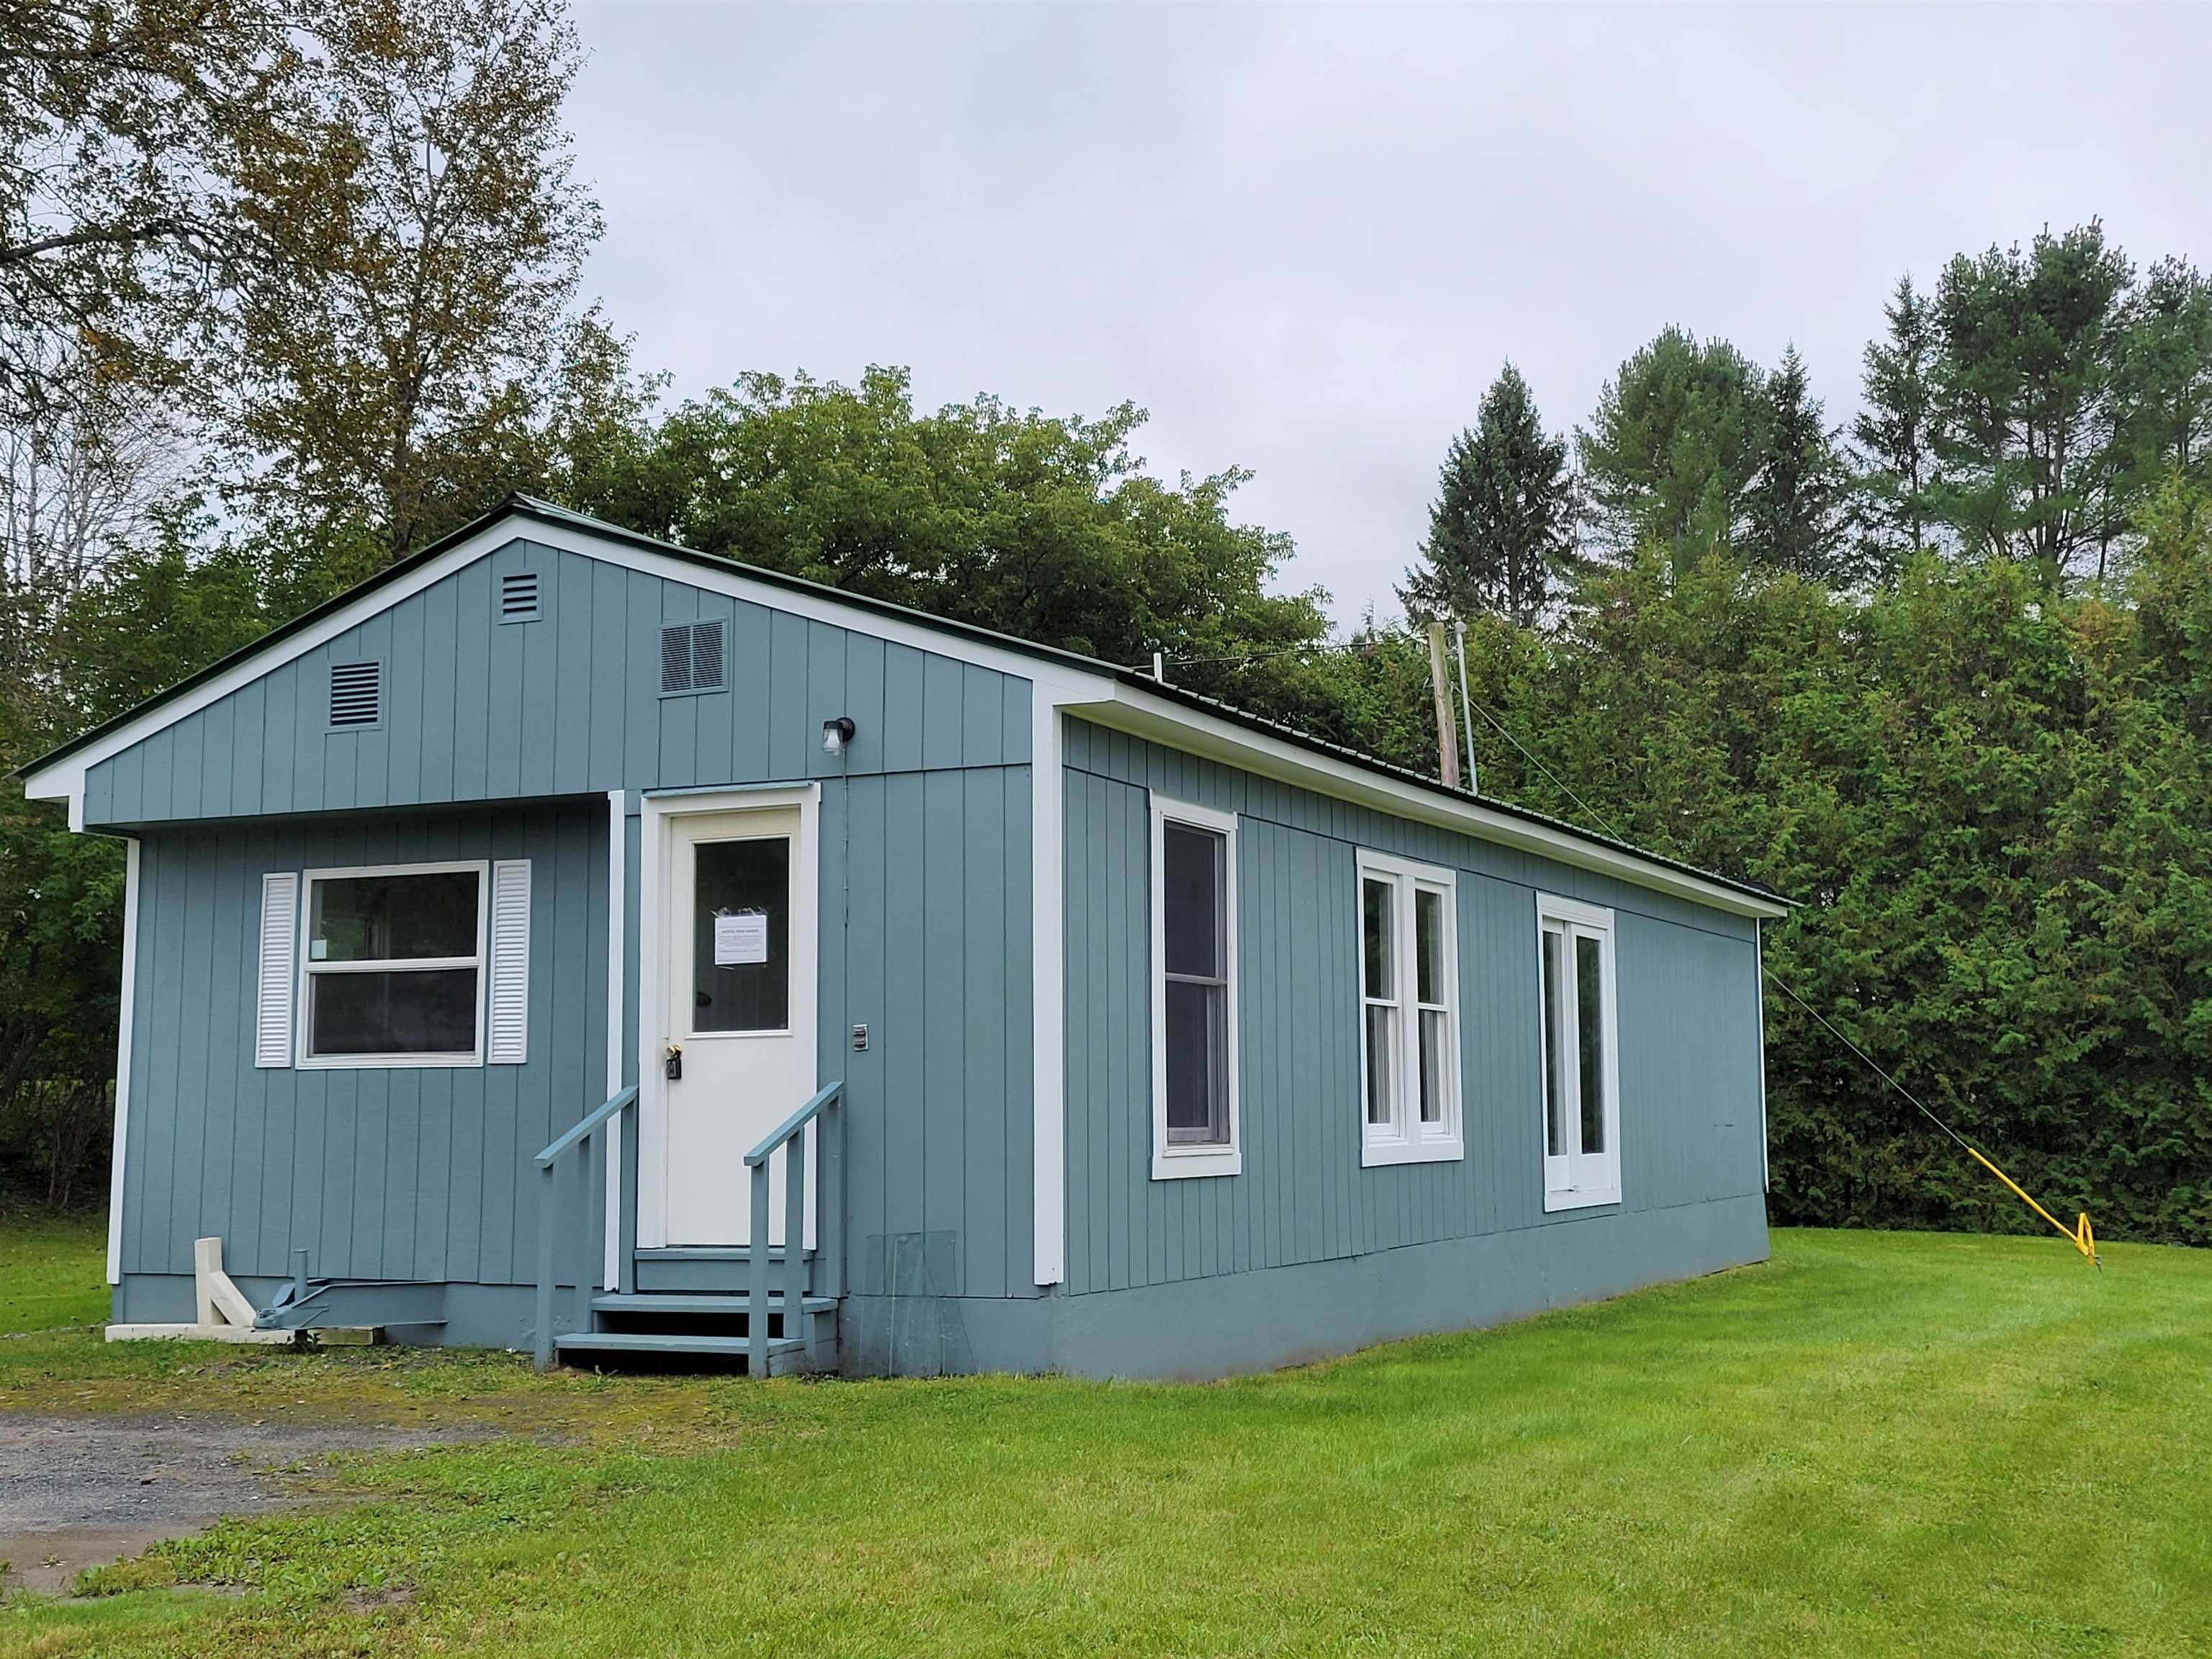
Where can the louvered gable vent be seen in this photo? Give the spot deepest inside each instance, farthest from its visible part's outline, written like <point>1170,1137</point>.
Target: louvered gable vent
<point>357,693</point>
<point>517,596</point>
<point>691,657</point>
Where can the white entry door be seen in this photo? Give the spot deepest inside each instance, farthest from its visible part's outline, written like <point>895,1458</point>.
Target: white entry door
<point>737,1009</point>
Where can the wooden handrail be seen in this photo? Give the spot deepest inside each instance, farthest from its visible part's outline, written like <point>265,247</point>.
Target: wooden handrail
<point>792,1125</point>
<point>791,1136</point>
<point>594,1122</point>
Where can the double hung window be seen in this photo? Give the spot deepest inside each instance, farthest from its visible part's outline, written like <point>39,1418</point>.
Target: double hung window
<point>1409,1012</point>
<point>1194,905</point>
<point>1581,1065</point>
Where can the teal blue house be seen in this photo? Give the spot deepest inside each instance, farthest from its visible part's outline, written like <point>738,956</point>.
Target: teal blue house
<point>568,942</point>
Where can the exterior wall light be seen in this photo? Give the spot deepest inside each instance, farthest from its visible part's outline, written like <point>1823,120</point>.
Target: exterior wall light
<point>837,733</point>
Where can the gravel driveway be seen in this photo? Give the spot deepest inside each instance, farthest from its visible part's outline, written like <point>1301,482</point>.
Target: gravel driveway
<point>76,1491</point>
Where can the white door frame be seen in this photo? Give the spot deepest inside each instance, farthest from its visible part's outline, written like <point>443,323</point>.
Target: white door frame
<point>660,811</point>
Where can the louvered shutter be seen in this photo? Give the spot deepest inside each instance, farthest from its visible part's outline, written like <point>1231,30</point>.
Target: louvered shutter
<point>509,1016</point>
<point>272,1014</point>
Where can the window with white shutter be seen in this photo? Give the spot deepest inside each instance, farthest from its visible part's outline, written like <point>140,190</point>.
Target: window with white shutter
<point>509,1017</point>
<point>272,1013</point>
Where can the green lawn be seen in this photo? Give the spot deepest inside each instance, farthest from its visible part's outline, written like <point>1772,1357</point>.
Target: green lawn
<point>1876,1445</point>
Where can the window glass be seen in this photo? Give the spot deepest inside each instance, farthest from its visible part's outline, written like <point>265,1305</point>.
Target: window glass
<point>744,886</point>
<point>1191,858</point>
<point>1555,1054</point>
<point>1380,971</point>
<point>1435,1023</point>
<point>1429,944</point>
<point>1197,1078</point>
<point>1382,1047</point>
<point>1589,984</point>
<point>413,1011</point>
<point>395,918</point>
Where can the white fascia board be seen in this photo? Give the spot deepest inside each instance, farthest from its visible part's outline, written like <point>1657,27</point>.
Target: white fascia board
<point>1067,681</point>
<point>1137,712</point>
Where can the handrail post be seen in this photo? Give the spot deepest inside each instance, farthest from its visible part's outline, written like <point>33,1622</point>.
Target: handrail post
<point>547,1186</point>
<point>830,1212</point>
<point>757,1266</point>
<point>794,1237</point>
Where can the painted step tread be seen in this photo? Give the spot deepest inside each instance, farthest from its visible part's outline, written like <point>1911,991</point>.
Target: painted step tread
<point>710,1253</point>
<point>662,1342</point>
<point>696,1302</point>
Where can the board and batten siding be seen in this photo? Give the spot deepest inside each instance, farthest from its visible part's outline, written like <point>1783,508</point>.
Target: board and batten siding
<point>479,709</point>
<point>1687,1018</point>
<point>400,1173</point>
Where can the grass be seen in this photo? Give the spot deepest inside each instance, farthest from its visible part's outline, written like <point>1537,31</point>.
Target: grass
<point>1876,1445</point>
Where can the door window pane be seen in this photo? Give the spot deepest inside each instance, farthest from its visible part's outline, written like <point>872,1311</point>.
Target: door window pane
<point>395,918</point>
<point>745,986</point>
<point>1589,986</point>
<point>1197,1076</point>
<point>1555,1053</point>
<point>406,1011</point>
<point>1192,865</point>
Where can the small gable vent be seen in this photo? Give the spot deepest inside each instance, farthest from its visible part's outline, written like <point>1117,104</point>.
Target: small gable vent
<point>517,596</point>
<point>691,657</point>
<point>357,693</point>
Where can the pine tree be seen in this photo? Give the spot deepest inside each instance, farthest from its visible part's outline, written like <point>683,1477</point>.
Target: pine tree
<point>1895,434</point>
<point>1794,509</point>
<point>1501,530</point>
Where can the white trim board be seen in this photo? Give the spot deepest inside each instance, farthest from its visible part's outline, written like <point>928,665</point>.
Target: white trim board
<point>118,1156</point>
<point>617,881</point>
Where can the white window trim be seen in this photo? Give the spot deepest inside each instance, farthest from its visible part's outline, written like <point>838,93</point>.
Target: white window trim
<point>304,1017</point>
<point>1407,1140</point>
<point>1560,1190</point>
<point>1172,1163</point>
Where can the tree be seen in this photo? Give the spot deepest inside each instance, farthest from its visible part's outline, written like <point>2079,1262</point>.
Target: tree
<point>121,124</point>
<point>2027,436</point>
<point>1895,432</point>
<point>426,232</point>
<point>1670,453</point>
<point>2165,376</point>
<point>1042,526</point>
<point>1501,530</point>
<point>1794,507</point>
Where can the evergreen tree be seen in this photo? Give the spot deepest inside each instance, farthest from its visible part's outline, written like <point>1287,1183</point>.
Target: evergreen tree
<point>1501,530</point>
<point>2027,436</point>
<point>1894,433</point>
<point>2166,378</point>
<point>1794,507</point>
<point>1676,440</point>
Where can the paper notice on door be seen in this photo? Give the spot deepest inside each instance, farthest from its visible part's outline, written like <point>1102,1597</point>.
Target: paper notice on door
<point>740,939</point>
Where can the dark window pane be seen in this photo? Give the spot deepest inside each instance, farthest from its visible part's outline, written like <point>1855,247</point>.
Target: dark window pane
<point>1191,895</point>
<point>1381,1045</point>
<point>1589,988</point>
<point>394,918</point>
<point>1197,1062</point>
<point>1555,1115</point>
<point>1433,1059</point>
<point>1379,951</point>
<point>741,878</point>
<point>414,1012</point>
<point>1429,945</point>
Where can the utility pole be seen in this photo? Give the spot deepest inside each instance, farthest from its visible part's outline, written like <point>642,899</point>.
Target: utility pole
<point>1466,712</point>
<point>1440,684</point>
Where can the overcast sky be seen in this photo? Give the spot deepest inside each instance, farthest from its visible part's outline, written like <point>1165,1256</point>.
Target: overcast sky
<point>1306,238</point>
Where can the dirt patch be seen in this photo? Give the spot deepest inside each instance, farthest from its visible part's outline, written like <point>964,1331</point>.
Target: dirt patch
<point>79,1491</point>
